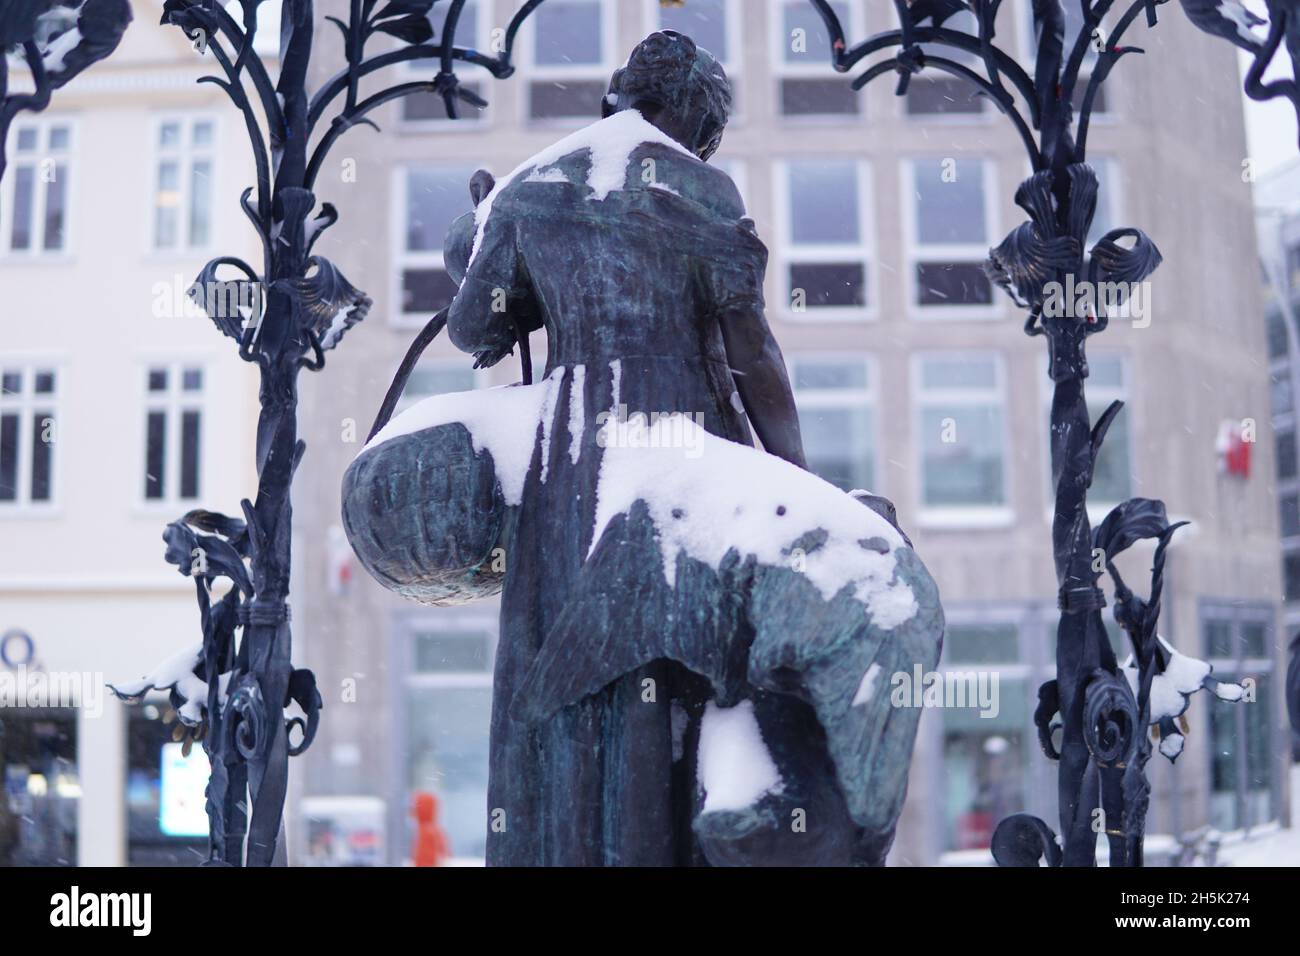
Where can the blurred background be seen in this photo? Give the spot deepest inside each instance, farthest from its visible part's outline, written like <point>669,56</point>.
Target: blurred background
<point>878,212</point>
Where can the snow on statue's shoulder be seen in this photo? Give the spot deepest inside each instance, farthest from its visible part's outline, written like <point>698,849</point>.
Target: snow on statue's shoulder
<point>611,142</point>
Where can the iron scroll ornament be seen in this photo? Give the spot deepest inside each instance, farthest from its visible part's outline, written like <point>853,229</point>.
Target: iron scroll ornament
<point>242,698</point>
<point>1098,706</point>
<point>55,41</point>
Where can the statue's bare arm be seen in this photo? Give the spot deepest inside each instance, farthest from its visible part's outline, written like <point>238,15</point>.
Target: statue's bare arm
<point>759,371</point>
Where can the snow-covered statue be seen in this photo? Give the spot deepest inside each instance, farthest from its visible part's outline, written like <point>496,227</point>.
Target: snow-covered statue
<point>697,637</point>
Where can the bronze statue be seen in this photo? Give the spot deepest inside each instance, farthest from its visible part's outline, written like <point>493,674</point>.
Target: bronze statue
<point>697,637</point>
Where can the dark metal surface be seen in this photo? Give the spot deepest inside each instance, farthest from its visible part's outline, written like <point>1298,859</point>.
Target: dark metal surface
<point>31,28</point>
<point>303,307</point>
<point>1102,721</point>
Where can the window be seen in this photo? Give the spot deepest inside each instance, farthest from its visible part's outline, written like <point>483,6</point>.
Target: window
<point>571,42</point>
<point>960,407</point>
<point>422,109</point>
<point>183,184</point>
<point>933,92</point>
<point>712,24</point>
<point>985,768</point>
<point>1293,266</point>
<point>28,412</point>
<point>438,378</point>
<point>448,704</point>
<point>950,228</point>
<point>431,198</point>
<point>1289,512</point>
<point>42,788</point>
<point>165,817</point>
<point>1073,23</point>
<point>1239,643</point>
<point>836,401</point>
<point>1109,199</point>
<point>1112,479</point>
<point>825,246</point>
<point>807,84</point>
<point>34,202</point>
<point>1286,453</point>
<point>1277,339</point>
<point>173,432</point>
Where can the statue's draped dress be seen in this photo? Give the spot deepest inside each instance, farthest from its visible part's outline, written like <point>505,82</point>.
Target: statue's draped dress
<point>629,289</point>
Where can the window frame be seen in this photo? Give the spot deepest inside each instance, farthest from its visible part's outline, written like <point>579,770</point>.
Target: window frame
<point>1029,57</point>
<point>915,252</point>
<point>36,250</point>
<point>960,516</point>
<point>868,397</point>
<point>535,72</point>
<point>469,121</point>
<point>983,116</point>
<point>791,253</point>
<point>27,404</point>
<point>1237,614</point>
<point>817,68</point>
<point>403,258</point>
<point>186,155</point>
<point>174,403</point>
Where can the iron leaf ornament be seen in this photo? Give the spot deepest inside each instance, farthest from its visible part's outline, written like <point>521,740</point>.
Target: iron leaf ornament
<point>1231,21</point>
<point>239,694</point>
<point>55,40</point>
<point>1093,718</point>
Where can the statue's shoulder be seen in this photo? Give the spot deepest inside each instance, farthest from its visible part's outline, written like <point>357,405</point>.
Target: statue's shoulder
<point>687,176</point>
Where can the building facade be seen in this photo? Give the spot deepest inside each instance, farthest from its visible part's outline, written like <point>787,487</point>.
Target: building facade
<point>121,410</point>
<point>878,212</point>
<point>1278,202</point>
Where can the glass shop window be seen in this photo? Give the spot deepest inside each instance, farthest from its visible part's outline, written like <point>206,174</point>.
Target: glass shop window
<point>571,59</point>
<point>933,92</point>
<point>434,197</point>
<point>985,755</point>
<point>448,710</point>
<point>961,399</point>
<point>34,200</point>
<point>166,815</point>
<point>950,237</point>
<point>39,787</point>
<point>420,109</point>
<point>1243,786</point>
<point>173,432</point>
<point>826,249</point>
<point>837,414</point>
<point>183,182</point>
<point>28,434</point>
<point>807,84</point>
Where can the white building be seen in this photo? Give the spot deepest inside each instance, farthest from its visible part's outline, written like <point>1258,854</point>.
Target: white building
<point>119,413</point>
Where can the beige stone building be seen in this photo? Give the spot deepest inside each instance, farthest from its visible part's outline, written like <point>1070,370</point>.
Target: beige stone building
<point>875,292</point>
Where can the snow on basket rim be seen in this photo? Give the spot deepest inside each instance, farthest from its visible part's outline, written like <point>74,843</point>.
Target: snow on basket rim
<point>732,496</point>
<point>705,494</point>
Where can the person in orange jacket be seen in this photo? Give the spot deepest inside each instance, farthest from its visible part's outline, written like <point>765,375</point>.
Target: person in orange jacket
<point>431,847</point>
